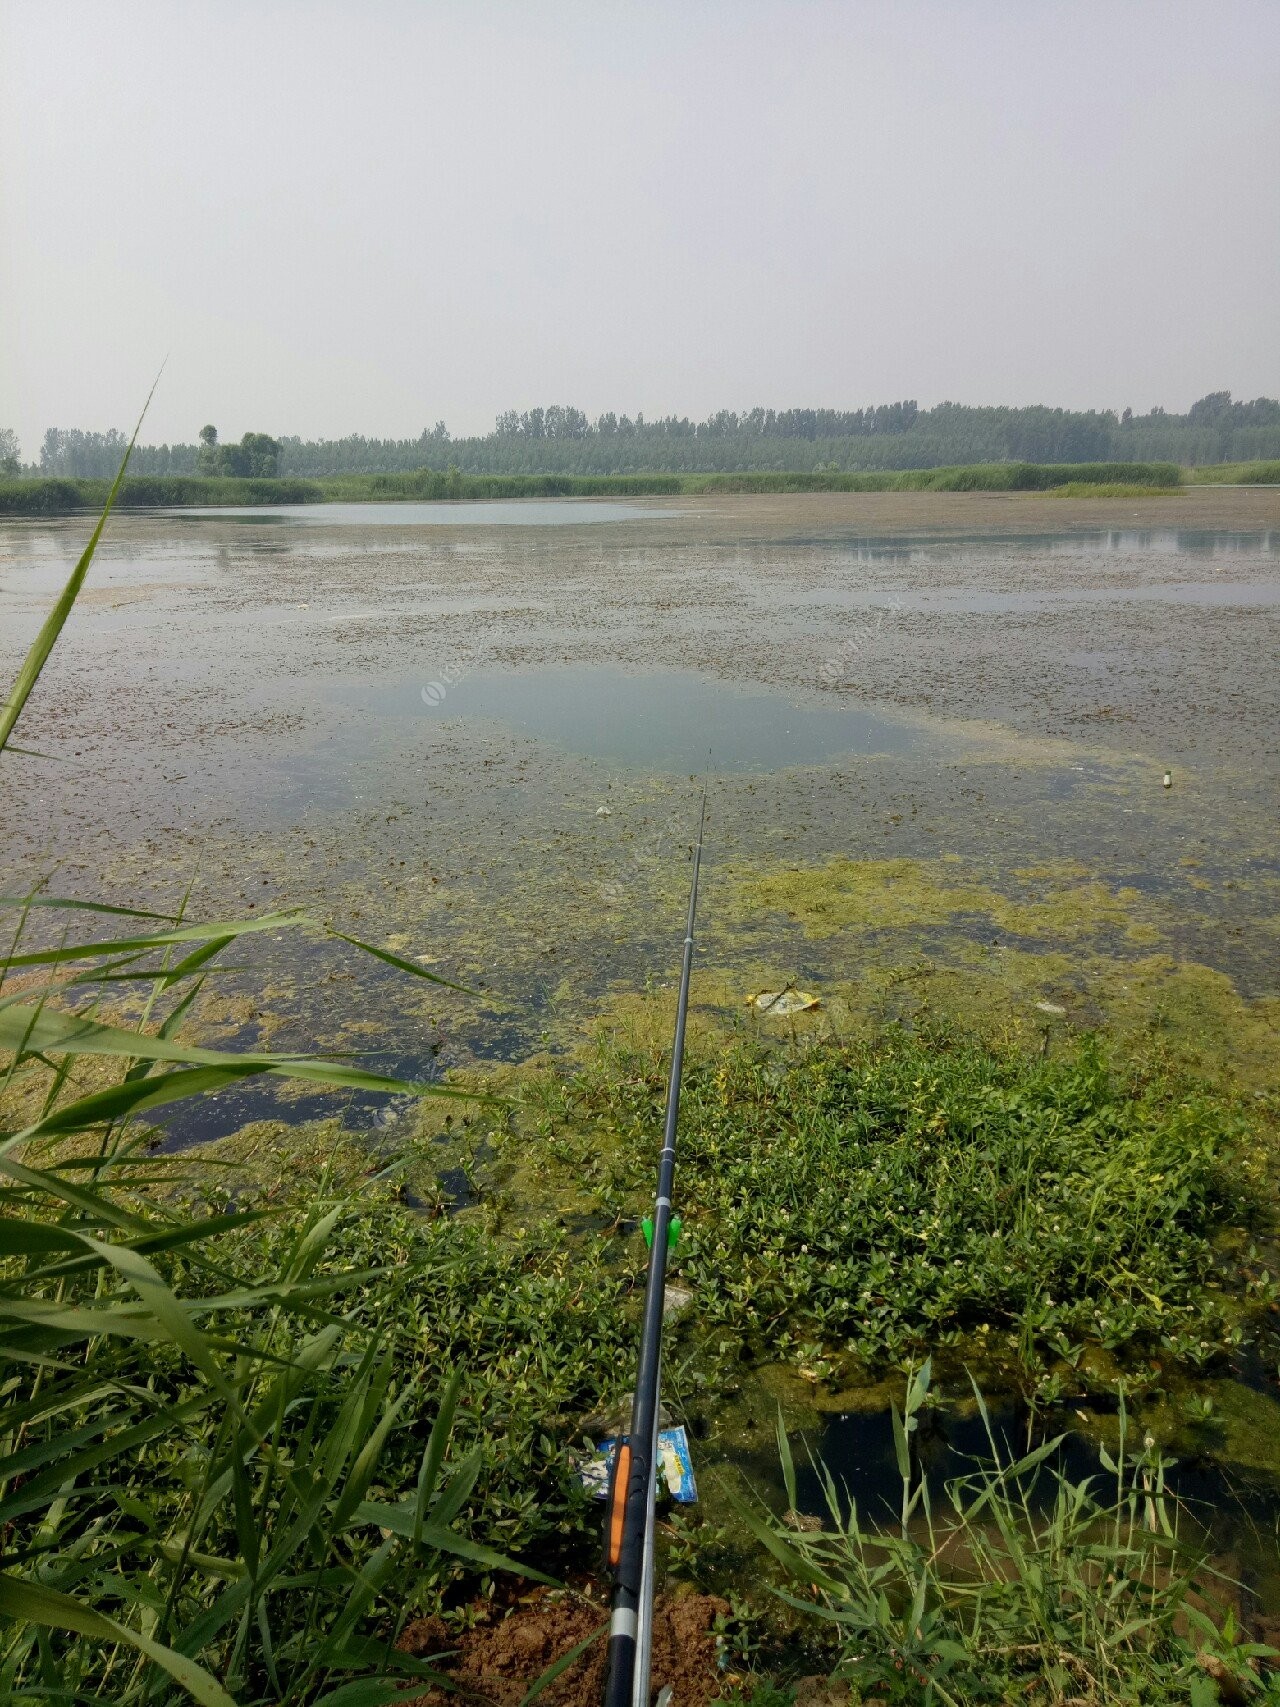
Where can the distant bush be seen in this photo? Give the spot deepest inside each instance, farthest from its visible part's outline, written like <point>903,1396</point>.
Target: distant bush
<point>794,480</point>
<point>44,497</point>
<point>978,477</point>
<point>1038,476</point>
<point>430,485</point>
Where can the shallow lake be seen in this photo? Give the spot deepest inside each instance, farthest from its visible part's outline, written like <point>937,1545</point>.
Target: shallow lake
<point>317,694</point>
<point>482,741</point>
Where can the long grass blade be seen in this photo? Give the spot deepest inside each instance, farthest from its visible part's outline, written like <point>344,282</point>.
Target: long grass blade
<point>401,964</point>
<point>36,659</point>
<point>27,1030</point>
<point>82,906</point>
<point>33,1603</point>
<point>556,1667</point>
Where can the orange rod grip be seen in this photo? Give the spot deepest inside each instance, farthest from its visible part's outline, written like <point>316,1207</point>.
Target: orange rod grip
<point>618,1512</point>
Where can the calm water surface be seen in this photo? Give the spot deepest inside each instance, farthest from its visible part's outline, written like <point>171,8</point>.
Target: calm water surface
<point>506,512</point>
<point>669,720</point>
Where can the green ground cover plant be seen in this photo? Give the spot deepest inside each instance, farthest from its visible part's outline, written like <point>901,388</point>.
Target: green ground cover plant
<point>1237,474</point>
<point>891,1196</point>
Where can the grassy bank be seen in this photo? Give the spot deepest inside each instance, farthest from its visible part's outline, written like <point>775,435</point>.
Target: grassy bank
<point>25,497</point>
<point>150,492</point>
<point>980,477</point>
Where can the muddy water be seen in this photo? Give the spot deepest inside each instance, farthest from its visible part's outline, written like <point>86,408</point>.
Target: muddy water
<point>470,731</point>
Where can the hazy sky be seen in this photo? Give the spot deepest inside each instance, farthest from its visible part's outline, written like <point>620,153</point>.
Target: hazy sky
<point>369,215</point>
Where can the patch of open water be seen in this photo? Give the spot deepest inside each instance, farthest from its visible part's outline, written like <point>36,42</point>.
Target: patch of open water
<point>1106,542</point>
<point>659,720</point>
<point>507,512</point>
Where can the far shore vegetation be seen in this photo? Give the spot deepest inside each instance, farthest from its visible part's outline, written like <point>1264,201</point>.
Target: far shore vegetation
<point>561,440</point>
<point>58,496</point>
<point>559,452</point>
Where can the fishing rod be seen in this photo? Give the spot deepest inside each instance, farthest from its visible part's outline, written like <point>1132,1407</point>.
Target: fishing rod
<point>629,1531</point>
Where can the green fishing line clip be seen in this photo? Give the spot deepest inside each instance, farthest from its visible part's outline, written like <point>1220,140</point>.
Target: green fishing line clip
<point>673,1231</point>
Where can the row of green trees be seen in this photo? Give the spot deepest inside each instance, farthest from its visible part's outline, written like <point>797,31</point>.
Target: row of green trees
<point>561,439</point>
<point>256,457</point>
<point>71,454</point>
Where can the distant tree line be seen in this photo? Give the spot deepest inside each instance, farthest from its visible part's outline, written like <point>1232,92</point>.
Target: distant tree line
<point>559,439</point>
<point>69,453</point>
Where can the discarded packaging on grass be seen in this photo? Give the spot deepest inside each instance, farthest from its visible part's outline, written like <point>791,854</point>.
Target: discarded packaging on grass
<point>674,1462</point>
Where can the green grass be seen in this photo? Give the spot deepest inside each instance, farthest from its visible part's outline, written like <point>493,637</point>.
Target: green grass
<point>58,496</point>
<point>838,1201</point>
<point>846,1201</point>
<point>151,492</point>
<point>219,1454</point>
<point>430,486</point>
<point>208,1412</point>
<point>981,477</point>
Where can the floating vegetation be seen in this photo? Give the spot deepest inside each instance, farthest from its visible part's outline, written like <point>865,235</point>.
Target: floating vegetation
<point>1053,902</point>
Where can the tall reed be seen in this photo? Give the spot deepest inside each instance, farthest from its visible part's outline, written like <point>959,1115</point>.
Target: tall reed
<point>190,1441</point>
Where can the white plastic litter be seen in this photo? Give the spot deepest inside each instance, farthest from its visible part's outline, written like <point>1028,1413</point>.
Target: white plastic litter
<point>780,1004</point>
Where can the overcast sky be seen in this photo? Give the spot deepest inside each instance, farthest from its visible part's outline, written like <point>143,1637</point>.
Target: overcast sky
<point>366,216</point>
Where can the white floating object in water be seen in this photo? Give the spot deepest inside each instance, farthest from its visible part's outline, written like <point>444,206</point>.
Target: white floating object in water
<point>1168,779</point>
<point>604,812</point>
<point>1050,1008</point>
<point>781,1003</point>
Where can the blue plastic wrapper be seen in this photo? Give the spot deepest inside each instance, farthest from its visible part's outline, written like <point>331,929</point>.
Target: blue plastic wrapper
<point>674,1465</point>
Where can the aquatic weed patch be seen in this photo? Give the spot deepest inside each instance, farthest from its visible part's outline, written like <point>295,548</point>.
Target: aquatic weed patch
<point>1057,902</point>
<point>895,1196</point>
<point>1019,1584</point>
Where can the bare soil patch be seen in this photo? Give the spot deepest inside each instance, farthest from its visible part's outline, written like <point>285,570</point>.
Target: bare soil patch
<point>500,1658</point>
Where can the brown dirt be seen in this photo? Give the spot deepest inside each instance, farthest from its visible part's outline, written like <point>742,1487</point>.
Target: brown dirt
<point>500,1658</point>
